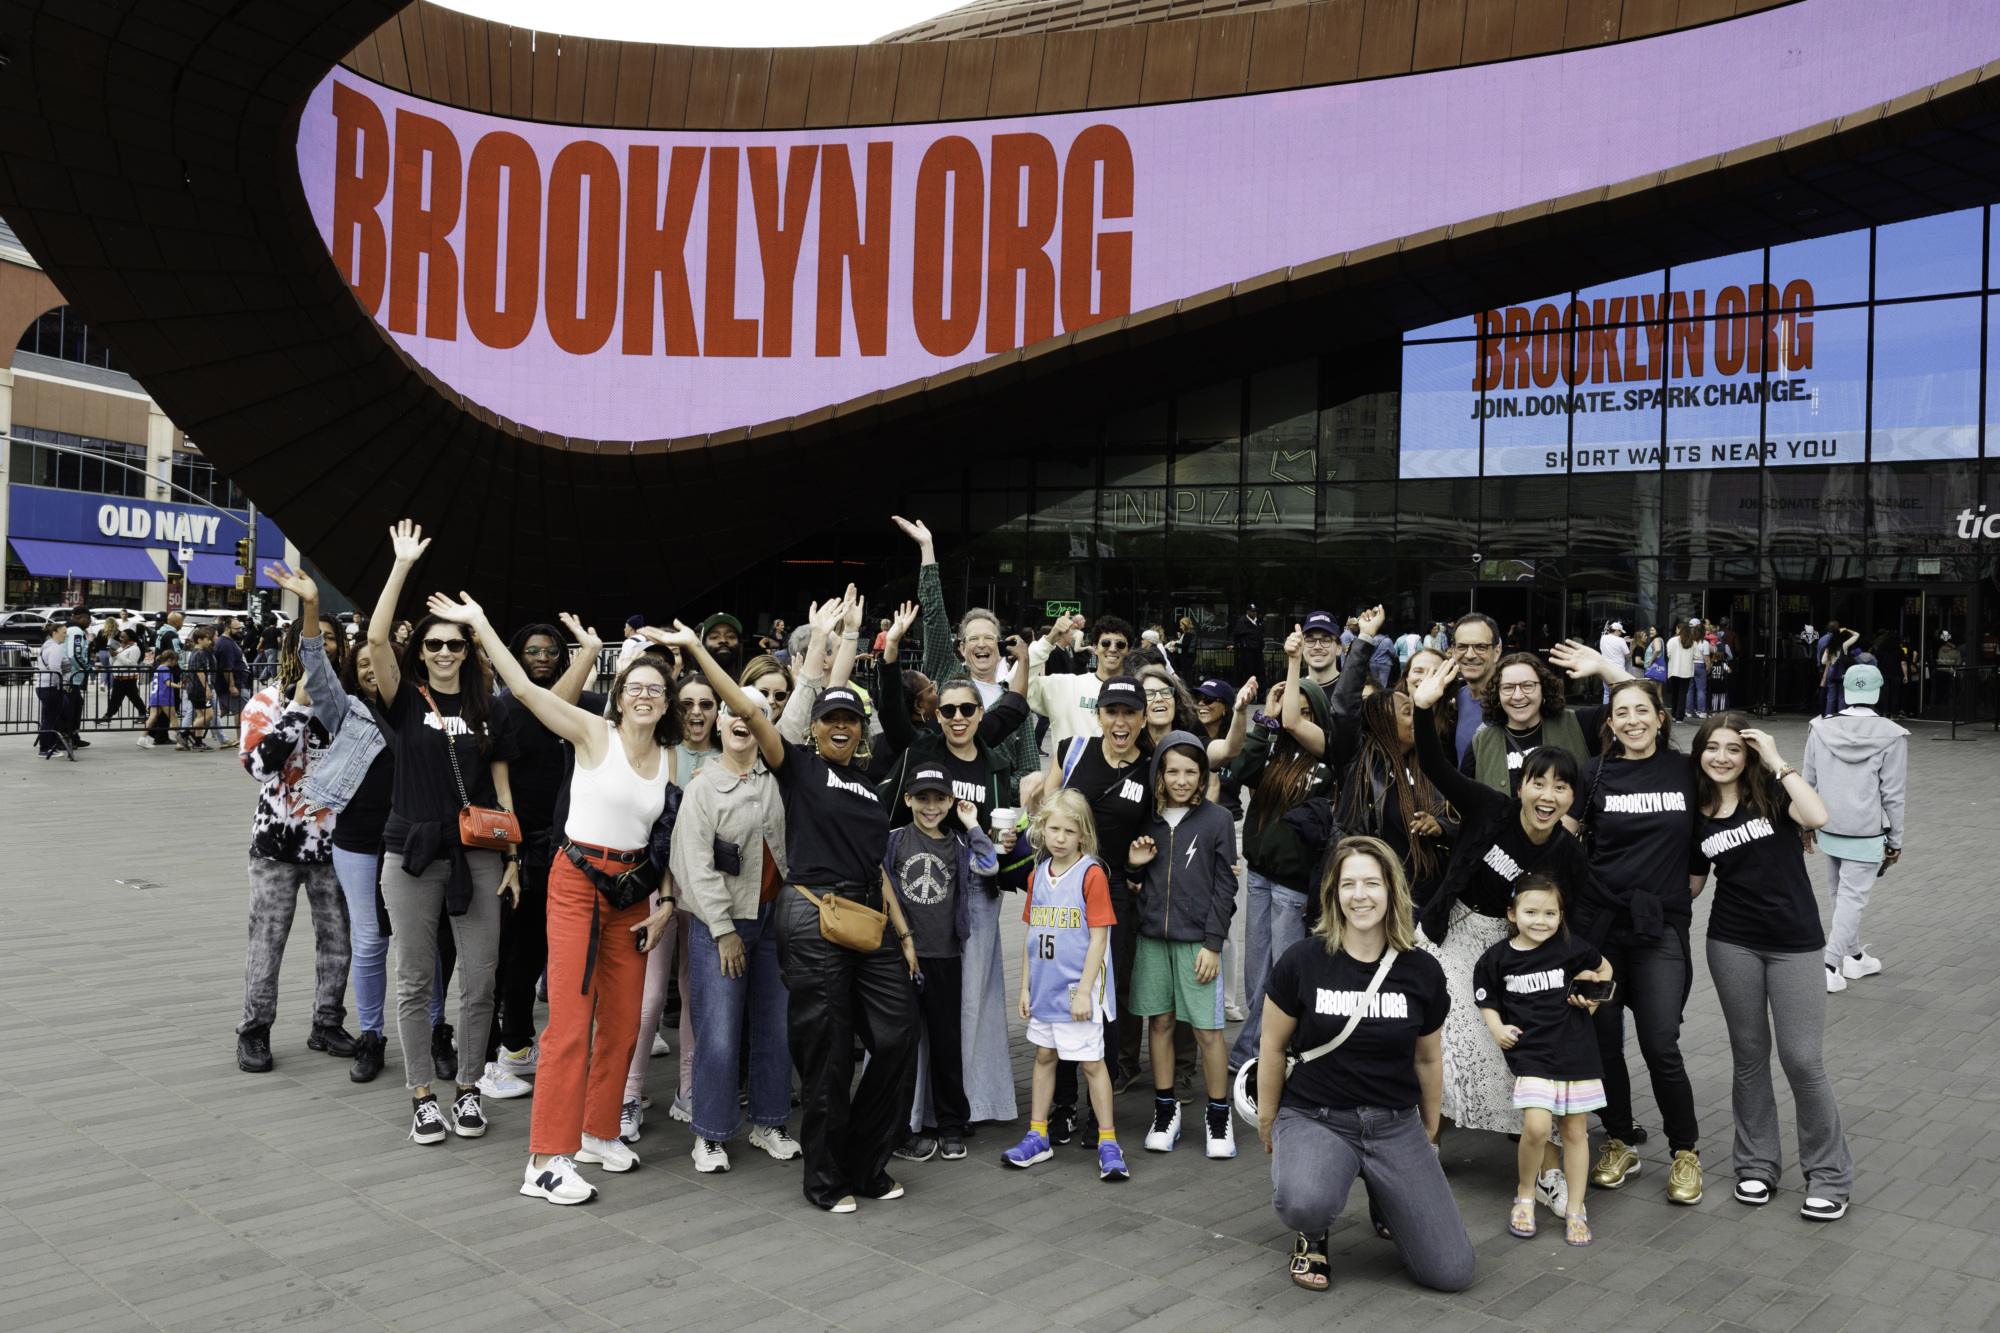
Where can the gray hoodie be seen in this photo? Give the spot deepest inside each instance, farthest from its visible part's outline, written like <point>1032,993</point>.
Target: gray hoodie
<point>1858,762</point>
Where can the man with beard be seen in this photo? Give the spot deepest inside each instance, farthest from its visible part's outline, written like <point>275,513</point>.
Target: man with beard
<point>722,635</point>
<point>1475,646</point>
<point>538,779</point>
<point>1070,702</point>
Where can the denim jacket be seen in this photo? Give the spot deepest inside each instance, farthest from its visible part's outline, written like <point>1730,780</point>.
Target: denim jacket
<point>357,738</point>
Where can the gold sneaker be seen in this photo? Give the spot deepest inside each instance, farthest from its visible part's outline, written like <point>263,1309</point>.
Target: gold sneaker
<point>1684,1178</point>
<point>1617,1164</point>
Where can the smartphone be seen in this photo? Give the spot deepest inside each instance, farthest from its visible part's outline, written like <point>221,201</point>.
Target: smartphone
<point>1598,991</point>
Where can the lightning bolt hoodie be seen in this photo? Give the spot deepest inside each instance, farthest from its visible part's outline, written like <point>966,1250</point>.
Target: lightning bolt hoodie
<point>1188,890</point>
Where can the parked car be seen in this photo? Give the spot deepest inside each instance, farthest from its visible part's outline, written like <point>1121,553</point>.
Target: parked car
<point>28,627</point>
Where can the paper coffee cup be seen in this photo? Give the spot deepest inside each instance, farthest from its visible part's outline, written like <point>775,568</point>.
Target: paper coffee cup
<point>1004,818</point>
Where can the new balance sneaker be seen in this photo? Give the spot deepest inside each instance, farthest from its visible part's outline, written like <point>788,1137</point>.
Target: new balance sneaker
<point>1863,964</point>
<point>950,1146</point>
<point>1221,1131</point>
<point>520,1063</point>
<point>917,1148</point>
<point>681,1111</point>
<point>1034,1148</point>
<point>611,1154</point>
<point>1822,1210</point>
<point>1166,1130</point>
<point>1552,1191</point>
<point>630,1117</point>
<point>335,1041</point>
<point>497,1083</point>
<point>1111,1166</point>
<point>775,1140</point>
<point>710,1156</point>
<point>427,1124</point>
<point>557,1181</point>
<point>444,1052</point>
<point>468,1117</point>
<point>660,1046</point>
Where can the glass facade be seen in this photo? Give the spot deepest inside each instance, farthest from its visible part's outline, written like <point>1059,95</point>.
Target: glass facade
<point>62,334</point>
<point>194,473</point>
<point>1771,439</point>
<point>31,466</point>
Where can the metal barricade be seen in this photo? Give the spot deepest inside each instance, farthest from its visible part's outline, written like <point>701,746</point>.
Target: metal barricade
<point>118,700</point>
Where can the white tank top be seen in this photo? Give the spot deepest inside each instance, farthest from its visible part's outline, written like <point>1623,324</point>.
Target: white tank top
<point>611,806</point>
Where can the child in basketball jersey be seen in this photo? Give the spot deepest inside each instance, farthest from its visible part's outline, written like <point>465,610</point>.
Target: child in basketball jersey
<point>1066,996</point>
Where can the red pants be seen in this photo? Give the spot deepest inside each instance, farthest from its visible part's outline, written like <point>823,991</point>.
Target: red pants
<point>580,1083</point>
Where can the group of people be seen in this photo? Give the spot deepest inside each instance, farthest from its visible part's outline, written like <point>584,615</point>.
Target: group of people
<point>1697,663</point>
<point>1455,888</point>
<point>183,683</point>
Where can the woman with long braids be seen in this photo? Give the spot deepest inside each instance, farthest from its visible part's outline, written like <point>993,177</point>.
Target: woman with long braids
<point>1640,814</point>
<point>1503,837</point>
<point>1386,795</point>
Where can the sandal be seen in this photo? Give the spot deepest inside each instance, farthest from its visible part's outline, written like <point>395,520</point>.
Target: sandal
<point>1309,1268</point>
<point>1522,1220</point>
<point>1576,1230</point>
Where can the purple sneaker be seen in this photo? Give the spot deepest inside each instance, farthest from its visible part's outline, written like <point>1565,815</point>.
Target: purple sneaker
<point>1029,1150</point>
<point>1111,1163</point>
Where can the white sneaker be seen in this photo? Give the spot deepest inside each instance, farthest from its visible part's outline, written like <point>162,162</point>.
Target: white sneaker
<point>709,1156</point>
<point>1232,1012</point>
<point>497,1083</point>
<point>1221,1126</point>
<point>557,1181</point>
<point>630,1117</point>
<point>660,1046</point>
<point>611,1154</point>
<point>1822,1210</point>
<point>1552,1191</point>
<point>1863,964</point>
<point>1166,1130</point>
<point>681,1111</point>
<point>1835,981</point>
<point>147,742</point>
<point>774,1140</point>
<point>520,1062</point>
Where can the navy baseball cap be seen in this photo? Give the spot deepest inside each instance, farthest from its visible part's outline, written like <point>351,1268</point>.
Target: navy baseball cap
<point>1320,620</point>
<point>839,699</point>
<point>1219,690</point>
<point>928,778</point>
<point>1123,692</point>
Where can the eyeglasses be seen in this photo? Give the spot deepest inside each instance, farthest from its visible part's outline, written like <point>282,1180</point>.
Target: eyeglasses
<point>1532,687</point>
<point>444,645</point>
<point>541,652</point>
<point>1481,648</point>
<point>1159,694</point>
<point>981,638</point>
<point>699,705</point>
<point>638,690</point>
<point>957,710</point>
<point>1113,645</point>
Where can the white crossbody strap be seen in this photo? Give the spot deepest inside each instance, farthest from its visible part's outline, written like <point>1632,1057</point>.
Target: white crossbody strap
<point>1353,1019</point>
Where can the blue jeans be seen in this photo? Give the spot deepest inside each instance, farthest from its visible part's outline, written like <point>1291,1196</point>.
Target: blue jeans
<point>722,1006</point>
<point>1316,1154</point>
<point>357,872</point>
<point>1700,688</point>
<point>1274,920</point>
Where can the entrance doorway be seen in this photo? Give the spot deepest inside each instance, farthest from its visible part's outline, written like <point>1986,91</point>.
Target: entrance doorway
<point>1529,614</point>
<point>1921,618</point>
<point>1749,612</point>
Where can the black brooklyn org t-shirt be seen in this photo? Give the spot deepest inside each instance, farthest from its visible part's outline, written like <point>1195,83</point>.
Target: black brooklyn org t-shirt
<point>536,775</point>
<point>1763,895</point>
<point>835,827</point>
<point>1644,813</point>
<point>1530,988</point>
<point>1376,1066</point>
<point>424,790</point>
<point>1120,805</point>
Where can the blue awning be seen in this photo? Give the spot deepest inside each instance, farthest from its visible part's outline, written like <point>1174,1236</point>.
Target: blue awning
<point>78,560</point>
<point>220,571</point>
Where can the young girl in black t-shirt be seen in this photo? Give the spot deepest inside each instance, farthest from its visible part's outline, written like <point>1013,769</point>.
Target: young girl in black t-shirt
<point>1522,986</point>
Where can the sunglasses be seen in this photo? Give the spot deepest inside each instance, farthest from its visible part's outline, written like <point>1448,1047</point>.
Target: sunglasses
<point>444,645</point>
<point>699,705</point>
<point>957,710</point>
<point>1114,645</point>
<point>636,690</point>
<point>778,697</point>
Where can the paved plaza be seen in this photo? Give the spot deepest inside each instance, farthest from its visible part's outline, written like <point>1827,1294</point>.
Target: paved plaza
<point>150,1185</point>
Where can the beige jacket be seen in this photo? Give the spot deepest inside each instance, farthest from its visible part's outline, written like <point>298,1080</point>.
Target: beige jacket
<point>748,811</point>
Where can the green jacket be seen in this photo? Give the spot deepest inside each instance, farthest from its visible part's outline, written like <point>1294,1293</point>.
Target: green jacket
<point>1489,748</point>
<point>1016,755</point>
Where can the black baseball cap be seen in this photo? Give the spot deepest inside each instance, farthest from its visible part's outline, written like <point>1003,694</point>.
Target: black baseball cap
<point>1219,690</point>
<point>1123,691</point>
<point>1321,620</point>
<point>839,699</point>
<point>928,778</point>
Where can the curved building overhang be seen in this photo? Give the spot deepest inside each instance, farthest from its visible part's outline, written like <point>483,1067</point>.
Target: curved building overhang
<point>153,169</point>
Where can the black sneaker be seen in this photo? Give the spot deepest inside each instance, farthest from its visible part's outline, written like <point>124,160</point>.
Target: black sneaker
<point>253,1051</point>
<point>1062,1123</point>
<point>367,1058</point>
<point>918,1148</point>
<point>444,1058</point>
<point>335,1041</point>
<point>1086,1130</point>
<point>951,1147</point>
<point>468,1121</point>
<point>427,1122</point>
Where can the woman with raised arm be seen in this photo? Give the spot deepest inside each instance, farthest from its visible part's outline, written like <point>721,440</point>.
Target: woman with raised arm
<point>835,833</point>
<point>617,792</point>
<point>452,747</point>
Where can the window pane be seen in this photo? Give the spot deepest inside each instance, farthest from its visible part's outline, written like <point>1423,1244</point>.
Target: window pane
<point>1916,506</point>
<point>1817,414</point>
<point>1281,460</point>
<point>1357,518</point>
<point>1439,427</point>
<point>1438,518</point>
<point>1710,511</point>
<point>1705,278</point>
<point>1132,520</point>
<point>1713,408</point>
<point>1524,516</point>
<point>1358,438</point>
<point>1615,514</point>
<point>1450,328</point>
<point>1926,381</point>
<point>1835,267</point>
<point>1927,256</point>
<point>1813,511</point>
<point>1210,424</point>
<point>1621,290</point>
<point>1135,447</point>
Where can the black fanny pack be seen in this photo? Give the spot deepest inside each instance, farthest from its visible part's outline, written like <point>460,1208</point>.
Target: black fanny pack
<point>629,887</point>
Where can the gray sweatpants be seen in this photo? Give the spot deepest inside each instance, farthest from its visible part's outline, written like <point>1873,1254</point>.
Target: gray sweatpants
<point>415,903</point>
<point>1848,882</point>
<point>1315,1156</point>
<point>1760,991</point>
<point>274,898</point>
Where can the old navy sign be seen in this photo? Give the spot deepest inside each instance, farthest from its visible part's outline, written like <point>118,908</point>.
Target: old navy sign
<point>77,516</point>
<point>630,285</point>
<point>166,527</point>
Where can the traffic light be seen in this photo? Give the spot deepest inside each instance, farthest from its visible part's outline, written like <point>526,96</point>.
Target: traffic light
<point>244,560</point>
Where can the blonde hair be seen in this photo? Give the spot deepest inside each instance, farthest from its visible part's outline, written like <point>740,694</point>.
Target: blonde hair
<point>1400,926</point>
<point>1068,801</point>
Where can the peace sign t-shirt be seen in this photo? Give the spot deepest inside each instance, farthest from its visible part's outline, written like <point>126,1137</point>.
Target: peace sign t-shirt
<point>927,883</point>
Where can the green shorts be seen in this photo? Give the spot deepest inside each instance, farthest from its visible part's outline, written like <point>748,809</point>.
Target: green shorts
<point>1163,983</point>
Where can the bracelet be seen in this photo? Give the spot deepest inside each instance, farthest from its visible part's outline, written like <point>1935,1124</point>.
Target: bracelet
<point>1786,772</point>
<point>851,634</point>
<point>904,934</point>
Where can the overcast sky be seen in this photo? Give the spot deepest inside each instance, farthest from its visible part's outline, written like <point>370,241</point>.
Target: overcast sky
<point>713,22</point>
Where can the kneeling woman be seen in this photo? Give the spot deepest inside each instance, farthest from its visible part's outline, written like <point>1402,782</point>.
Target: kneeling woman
<point>835,831</point>
<point>1363,1100</point>
<point>616,794</point>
